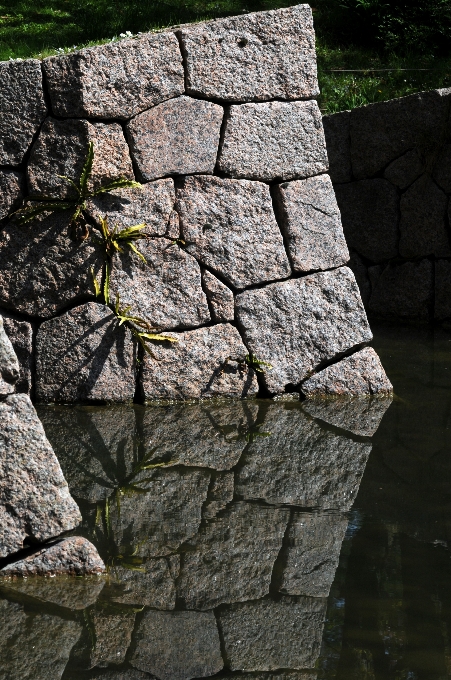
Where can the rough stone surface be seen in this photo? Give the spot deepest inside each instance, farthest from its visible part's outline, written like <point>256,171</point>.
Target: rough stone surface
<point>163,518</point>
<point>370,214</point>
<point>22,108</point>
<point>61,149</point>
<point>220,494</point>
<point>42,269</point>
<point>442,172</point>
<point>198,435</point>
<point>220,297</point>
<point>9,365</point>
<point>310,221</point>
<point>165,290</point>
<point>229,226</point>
<point>314,545</point>
<point>384,131</point>
<point>360,271</point>
<point>117,80</point>
<point>207,362</point>
<point>274,140</point>
<point>177,645</point>
<point>152,586</point>
<point>422,224</point>
<point>259,56</point>
<point>84,355</point>
<point>361,416</point>
<point>332,320</point>
<point>34,646</point>
<point>300,463</point>
<point>360,374</point>
<point>151,204</point>
<point>177,137</point>
<point>403,291</point>
<point>228,563</point>
<point>113,635</point>
<point>338,142</point>
<point>267,635</point>
<point>65,591</point>
<point>21,335</point>
<point>442,307</point>
<point>12,187</point>
<point>132,674</point>
<point>35,504</point>
<point>404,170</point>
<point>74,556</point>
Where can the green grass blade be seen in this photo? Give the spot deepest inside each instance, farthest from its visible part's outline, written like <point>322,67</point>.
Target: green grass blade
<point>157,337</point>
<point>135,250</point>
<point>96,284</point>
<point>68,179</point>
<point>120,183</point>
<point>87,171</point>
<point>106,285</point>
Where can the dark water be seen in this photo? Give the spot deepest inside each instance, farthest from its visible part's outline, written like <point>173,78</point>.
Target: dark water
<point>275,540</point>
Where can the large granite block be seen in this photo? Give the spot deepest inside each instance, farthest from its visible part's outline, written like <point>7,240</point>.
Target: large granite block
<point>42,269</point>
<point>22,108</point>
<point>84,355</point>
<point>228,563</point>
<point>117,80</point>
<point>61,149</point>
<point>442,172</point>
<point>403,291</point>
<point>274,140</point>
<point>311,560</point>
<point>422,225</point>
<point>442,297</point>
<point>404,170</point>
<point>177,137</point>
<point>9,365</point>
<point>229,226</point>
<point>382,132</point>
<point>310,221</point>
<point>338,143</point>
<point>370,215</point>
<point>21,335</point>
<point>151,204</point>
<point>360,374</point>
<point>254,57</point>
<point>219,296</point>
<point>177,645</point>
<point>268,635</point>
<point>301,463</point>
<point>207,362</point>
<point>165,290</point>
<point>35,503</point>
<point>12,187</point>
<point>296,325</point>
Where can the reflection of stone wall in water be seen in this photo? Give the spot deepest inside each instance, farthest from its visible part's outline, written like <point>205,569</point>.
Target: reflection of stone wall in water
<point>390,165</point>
<point>231,558</point>
<point>246,252</point>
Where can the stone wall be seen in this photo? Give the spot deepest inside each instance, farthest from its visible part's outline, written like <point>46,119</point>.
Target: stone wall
<point>391,167</point>
<point>245,253</point>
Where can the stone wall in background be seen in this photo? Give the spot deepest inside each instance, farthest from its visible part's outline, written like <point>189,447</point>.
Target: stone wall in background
<point>245,252</point>
<point>390,164</point>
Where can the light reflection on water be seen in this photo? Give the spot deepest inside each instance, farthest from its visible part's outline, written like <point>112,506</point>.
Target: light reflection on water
<point>279,540</point>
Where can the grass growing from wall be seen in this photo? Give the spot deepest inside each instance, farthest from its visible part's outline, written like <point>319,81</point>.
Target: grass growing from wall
<point>357,40</point>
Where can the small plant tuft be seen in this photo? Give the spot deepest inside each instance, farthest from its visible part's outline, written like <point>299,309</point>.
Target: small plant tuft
<point>257,364</point>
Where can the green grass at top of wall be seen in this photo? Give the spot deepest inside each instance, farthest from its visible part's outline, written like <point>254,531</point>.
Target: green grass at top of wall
<point>37,28</point>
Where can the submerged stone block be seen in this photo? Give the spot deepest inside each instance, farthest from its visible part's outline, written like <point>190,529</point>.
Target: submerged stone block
<point>220,297</point>
<point>207,362</point>
<point>117,80</point>
<point>22,108</point>
<point>165,290</point>
<point>84,355</point>
<point>442,306</point>
<point>9,365</point>
<point>151,586</point>
<point>370,215</point>
<point>12,186</point>
<point>177,645</point>
<point>360,374</point>
<point>268,635</point>
<point>310,221</point>
<point>20,334</point>
<point>403,291</point>
<point>422,225</point>
<point>228,563</point>
<point>74,556</point>
<point>258,56</point>
<point>35,503</point>
<point>42,269</point>
<point>151,204</point>
<point>361,416</point>
<point>112,636</point>
<point>61,149</point>
<point>220,494</point>
<point>65,591</point>
<point>177,137</point>
<point>229,226</point>
<point>274,140</point>
<point>324,315</point>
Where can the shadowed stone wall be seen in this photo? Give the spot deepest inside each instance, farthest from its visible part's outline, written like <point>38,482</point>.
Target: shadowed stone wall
<point>245,251</point>
<point>391,167</point>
